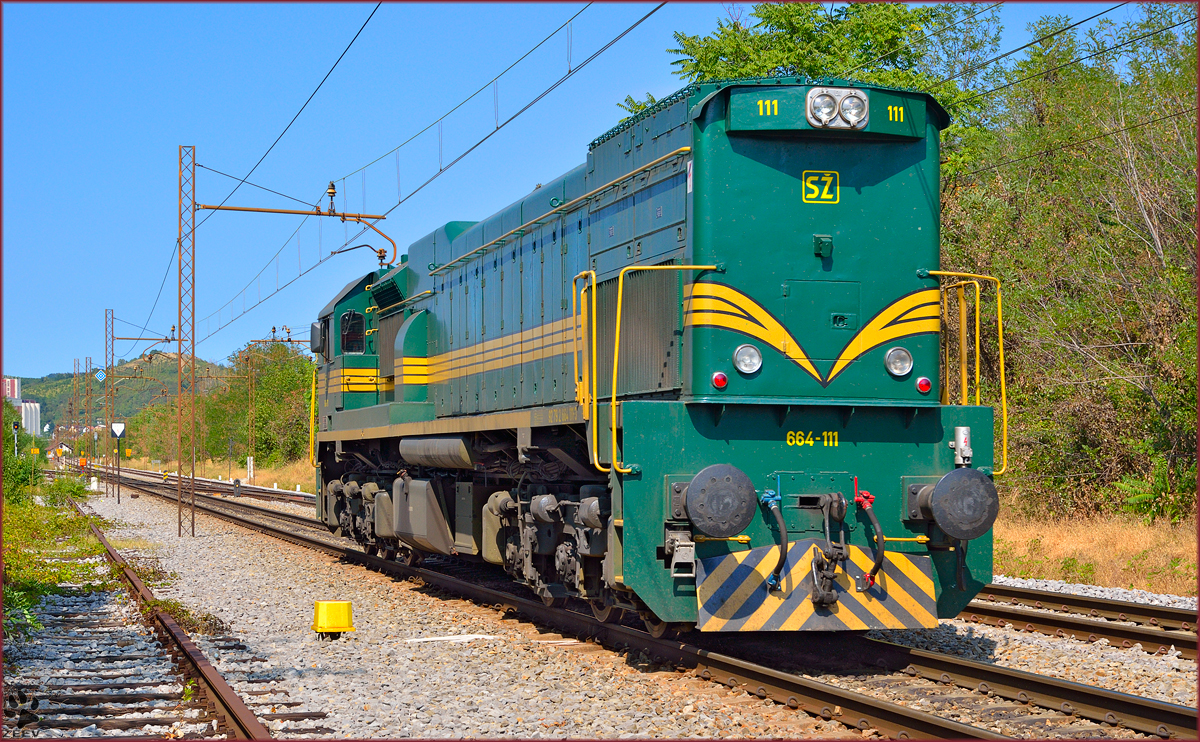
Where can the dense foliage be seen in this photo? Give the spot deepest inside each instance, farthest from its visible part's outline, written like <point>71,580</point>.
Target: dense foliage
<point>282,381</point>
<point>1070,174</point>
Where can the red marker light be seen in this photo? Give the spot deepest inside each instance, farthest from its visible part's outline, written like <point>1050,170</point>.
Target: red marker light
<point>720,380</point>
<point>924,385</point>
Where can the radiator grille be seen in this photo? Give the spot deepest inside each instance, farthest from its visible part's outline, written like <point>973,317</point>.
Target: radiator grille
<point>388,327</point>
<point>651,330</point>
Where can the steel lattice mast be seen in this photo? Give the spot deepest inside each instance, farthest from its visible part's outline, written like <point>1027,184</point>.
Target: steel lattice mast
<point>108,384</point>
<point>186,378</point>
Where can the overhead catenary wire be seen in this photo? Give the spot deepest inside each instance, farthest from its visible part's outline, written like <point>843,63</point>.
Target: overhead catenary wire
<point>306,102</point>
<point>1072,145</point>
<point>134,324</point>
<point>1038,40</point>
<point>1077,60</point>
<point>360,232</point>
<point>261,188</point>
<point>492,82</point>
<point>175,250</point>
<point>133,346</point>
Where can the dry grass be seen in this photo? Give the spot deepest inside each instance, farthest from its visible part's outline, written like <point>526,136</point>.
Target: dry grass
<point>133,544</point>
<point>286,476</point>
<point>1111,551</point>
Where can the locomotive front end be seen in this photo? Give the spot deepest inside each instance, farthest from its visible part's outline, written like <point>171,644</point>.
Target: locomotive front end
<point>820,479</point>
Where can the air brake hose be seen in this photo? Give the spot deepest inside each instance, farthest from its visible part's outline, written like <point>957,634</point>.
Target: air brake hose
<point>771,500</point>
<point>865,500</point>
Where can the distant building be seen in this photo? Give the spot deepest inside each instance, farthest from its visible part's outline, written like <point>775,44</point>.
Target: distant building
<point>12,389</point>
<point>31,416</point>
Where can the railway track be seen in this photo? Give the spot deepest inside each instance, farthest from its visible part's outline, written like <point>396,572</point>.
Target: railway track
<point>124,696</point>
<point>940,676</point>
<point>1156,628</point>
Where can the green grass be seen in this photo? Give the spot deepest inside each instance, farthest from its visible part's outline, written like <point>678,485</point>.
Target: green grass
<point>42,545</point>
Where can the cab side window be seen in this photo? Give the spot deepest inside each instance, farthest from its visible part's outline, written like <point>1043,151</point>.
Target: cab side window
<point>353,332</point>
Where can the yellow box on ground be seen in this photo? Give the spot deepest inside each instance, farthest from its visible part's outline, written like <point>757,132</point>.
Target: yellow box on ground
<point>332,616</point>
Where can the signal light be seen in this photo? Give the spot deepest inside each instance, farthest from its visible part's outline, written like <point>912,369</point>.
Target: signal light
<point>924,385</point>
<point>720,380</point>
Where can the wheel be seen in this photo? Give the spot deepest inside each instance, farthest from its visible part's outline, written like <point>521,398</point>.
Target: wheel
<point>605,613</point>
<point>388,554</point>
<point>552,602</point>
<point>410,557</point>
<point>372,550</point>
<point>655,626</point>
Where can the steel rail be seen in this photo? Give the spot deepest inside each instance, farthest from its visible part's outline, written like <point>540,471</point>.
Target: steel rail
<point>1154,641</point>
<point>1164,617</point>
<point>1144,715</point>
<point>240,721</point>
<point>819,699</point>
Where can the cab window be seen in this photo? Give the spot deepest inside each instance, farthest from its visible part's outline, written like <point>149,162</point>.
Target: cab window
<point>353,332</point>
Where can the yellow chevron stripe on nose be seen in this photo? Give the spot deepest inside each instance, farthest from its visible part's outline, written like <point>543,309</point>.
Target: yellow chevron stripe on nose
<point>913,314</point>
<point>717,305</point>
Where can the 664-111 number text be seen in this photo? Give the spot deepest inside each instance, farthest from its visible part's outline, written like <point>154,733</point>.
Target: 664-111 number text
<point>811,437</point>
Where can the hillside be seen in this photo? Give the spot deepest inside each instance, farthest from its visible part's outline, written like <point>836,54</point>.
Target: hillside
<point>158,370</point>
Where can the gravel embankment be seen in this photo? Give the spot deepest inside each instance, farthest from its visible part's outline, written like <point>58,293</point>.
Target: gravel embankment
<point>1106,593</point>
<point>410,668</point>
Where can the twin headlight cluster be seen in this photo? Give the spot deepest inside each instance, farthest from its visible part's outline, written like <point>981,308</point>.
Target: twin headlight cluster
<point>748,359</point>
<point>838,108</point>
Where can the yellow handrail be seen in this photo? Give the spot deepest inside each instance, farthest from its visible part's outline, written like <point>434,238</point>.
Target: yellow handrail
<point>581,391</point>
<point>617,343</point>
<point>562,208</point>
<point>312,422</point>
<point>1000,342</point>
<point>961,334</point>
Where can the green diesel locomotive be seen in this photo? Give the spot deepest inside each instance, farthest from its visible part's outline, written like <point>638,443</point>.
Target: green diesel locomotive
<point>705,376</point>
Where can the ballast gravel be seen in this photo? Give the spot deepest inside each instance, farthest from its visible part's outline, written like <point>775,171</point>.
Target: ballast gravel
<point>1106,593</point>
<point>420,665</point>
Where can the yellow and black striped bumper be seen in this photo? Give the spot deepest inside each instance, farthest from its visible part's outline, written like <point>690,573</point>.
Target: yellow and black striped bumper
<point>732,592</point>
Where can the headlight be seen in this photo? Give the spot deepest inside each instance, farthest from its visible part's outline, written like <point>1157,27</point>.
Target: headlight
<point>853,109</point>
<point>837,108</point>
<point>747,359</point>
<point>824,107</point>
<point>898,361</point>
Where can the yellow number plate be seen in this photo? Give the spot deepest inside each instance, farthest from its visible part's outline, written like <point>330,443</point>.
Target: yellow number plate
<point>820,187</point>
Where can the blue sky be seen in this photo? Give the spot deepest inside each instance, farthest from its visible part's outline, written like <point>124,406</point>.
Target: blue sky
<point>98,97</point>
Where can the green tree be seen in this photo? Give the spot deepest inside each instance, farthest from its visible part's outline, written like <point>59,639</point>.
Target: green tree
<point>1091,225</point>
<point>937,48</point>
<point>282,378</point>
